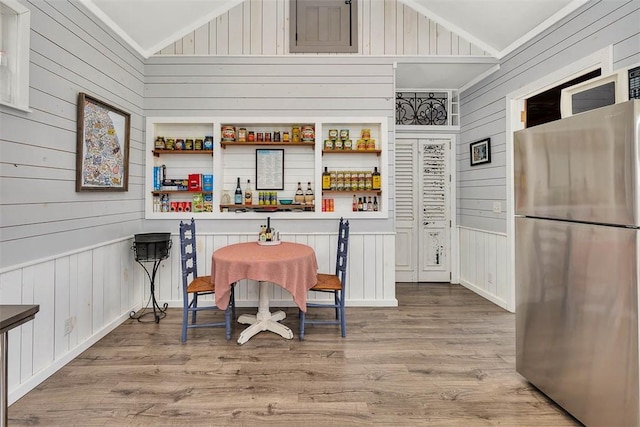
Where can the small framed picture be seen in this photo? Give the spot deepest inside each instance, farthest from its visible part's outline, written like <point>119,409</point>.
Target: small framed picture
<point>269,169</point>
<point>480,152</point>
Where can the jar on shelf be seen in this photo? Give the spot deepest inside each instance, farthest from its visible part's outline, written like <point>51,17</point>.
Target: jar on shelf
<point>170,144</point>
<point>371,144</point>
<point>242,135</point>
<point>198,144</point>
<point>159,144</point>
<point>365,133</point>
<point>333,134</point>
<point>188,144</point>
<point>295,133</point>
<point>328,144</point>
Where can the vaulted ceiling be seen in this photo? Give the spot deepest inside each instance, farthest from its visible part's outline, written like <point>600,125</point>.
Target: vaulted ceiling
<point>495,26</point>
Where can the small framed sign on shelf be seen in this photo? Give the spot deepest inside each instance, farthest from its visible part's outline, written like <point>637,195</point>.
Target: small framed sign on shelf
<point>480,152</point>
<point>269,169</point>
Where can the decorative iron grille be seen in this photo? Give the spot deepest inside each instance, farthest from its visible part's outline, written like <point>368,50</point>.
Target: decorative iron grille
<point>422,108</point>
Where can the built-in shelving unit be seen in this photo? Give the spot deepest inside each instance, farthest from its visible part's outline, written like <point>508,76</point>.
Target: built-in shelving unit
<point>229,160</point>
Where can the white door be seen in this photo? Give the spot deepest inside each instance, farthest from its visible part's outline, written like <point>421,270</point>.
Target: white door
<point>423,214</point>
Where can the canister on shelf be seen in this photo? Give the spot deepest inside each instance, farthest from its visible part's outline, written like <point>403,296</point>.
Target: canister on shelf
<point>285,136</point>
<point>365,133</point>
<point>159,143</point>
<point>208,143</point>
<point>276,136</point>
<point>307,133</point>
<point>179,144</point>
<point>371,144</point>
<point>188,144</point>
<point>251,136</point>
<point>197,144</point>
<point>328,144</point>
<point>170,144</point>
<point>344,134</point>
<point>228,133</point>
<point>267,136</point>
<point>347,144</point>
<point>333,134</point>
<point>259,136</point>
<point>337,144</point>
<point>361,145</point>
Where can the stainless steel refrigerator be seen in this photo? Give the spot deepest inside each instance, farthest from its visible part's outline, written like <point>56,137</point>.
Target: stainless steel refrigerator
<point>576,262</point>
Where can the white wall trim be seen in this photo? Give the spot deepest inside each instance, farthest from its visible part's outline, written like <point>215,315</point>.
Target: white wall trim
<point>62,255</point>
<point>493,298</point>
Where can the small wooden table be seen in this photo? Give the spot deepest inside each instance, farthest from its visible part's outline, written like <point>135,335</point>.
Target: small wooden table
<point>11,316</point>
<point>292,266</point>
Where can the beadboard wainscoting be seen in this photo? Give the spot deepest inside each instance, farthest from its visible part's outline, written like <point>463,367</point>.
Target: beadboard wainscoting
<point>86,294</point>
<point>370,280</point>
<point>83,295</point>
<point>483,265</point>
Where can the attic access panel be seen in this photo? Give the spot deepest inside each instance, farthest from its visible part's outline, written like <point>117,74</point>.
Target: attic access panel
<point>323,26</point>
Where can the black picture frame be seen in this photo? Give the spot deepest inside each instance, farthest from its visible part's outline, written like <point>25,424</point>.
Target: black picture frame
<point>480,152</point>
<point>102,147</point>
<point>269,169</point>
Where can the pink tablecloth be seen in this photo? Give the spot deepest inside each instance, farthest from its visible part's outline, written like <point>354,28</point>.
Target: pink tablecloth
<point>290,265</point>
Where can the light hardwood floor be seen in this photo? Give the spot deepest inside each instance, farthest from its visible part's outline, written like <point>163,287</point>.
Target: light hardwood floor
<point>444,357</point>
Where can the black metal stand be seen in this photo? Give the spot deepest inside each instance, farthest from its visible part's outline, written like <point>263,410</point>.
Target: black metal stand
<point>158,312</point>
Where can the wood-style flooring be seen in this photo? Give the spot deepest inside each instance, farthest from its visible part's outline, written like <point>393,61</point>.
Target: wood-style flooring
<point>443,357</point>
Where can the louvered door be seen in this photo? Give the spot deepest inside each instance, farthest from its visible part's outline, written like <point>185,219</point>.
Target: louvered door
<point>434,222</point>
<point>423,214</point>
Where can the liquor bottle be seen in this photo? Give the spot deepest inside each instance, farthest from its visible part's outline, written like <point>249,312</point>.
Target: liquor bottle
<point>359,204</point>
<point>308,197</point>
<point>354,204</point>
<point>375,179</point>
<point>248,194</point>
<point>268,230</point>
<point>369,204</point>
<point>237,199</point>
<point>364,204</point>
<point>326,179</point>
<point>375,204</point>
<point>299,197</point>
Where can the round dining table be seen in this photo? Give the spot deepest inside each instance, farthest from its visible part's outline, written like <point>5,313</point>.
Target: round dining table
<point>293,266</point>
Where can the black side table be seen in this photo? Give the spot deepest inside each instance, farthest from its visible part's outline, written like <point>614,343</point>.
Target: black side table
<point>10,317</point>
<point>151,247</point>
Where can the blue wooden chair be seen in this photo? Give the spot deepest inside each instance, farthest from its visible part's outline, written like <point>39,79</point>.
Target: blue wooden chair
<point>194,286</point>
<point>332,283</point>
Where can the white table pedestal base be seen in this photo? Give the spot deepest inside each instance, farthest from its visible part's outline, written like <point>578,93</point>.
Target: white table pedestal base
<point>264,320</point>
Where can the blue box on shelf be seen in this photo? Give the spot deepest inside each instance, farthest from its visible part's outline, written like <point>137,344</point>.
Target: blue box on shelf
<point>207,182</point>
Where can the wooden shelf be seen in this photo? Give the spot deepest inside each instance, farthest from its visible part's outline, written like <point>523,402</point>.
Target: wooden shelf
<point>377,152</point>
<point>159,192</point>
<point>268,208</point>
<point>224,144</point>
<point>158,152</point>
<point>350,192</point>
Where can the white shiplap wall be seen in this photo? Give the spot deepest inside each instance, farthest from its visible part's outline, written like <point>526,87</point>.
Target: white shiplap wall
<point>593,27</point>
<point>385,27</point>
<point>68,252</point>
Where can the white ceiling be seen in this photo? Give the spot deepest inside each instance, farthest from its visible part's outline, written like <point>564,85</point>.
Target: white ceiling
<point>496,26</point>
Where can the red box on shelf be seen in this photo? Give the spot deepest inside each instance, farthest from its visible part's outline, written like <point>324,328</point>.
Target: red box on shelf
<point>195,182</point>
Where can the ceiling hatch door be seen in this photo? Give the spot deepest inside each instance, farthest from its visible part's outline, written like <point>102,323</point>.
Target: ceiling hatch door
<point>323,26</point>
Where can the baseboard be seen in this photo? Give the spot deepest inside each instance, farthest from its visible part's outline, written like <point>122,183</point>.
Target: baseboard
<point>494,299</point>
<point>59,363</point>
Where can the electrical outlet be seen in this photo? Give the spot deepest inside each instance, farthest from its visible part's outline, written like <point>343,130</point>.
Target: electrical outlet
<point>497,207</point>
<point>69,324</point>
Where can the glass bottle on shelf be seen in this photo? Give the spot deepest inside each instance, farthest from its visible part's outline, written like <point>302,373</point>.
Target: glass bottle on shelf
<point>248,194</point>
<point>308,197</point>
<point>364,204</point>
<point>354,204</point>
<point>164,203</point>
<point>376,207</point>
<point>369,204</point>
<point>376,180</point>
<point>299,197</point>
<point>237,199</point>
<point>268,230</point>
<point>326,179</point>
<point>359,204</point>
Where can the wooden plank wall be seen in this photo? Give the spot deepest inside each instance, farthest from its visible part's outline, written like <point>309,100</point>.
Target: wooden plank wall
<point>68,252</point>
<point>591,28</point>
<point>386,27</point>
<point>40,213</point>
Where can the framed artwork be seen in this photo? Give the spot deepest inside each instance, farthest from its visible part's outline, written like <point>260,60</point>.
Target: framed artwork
<point>102,151</point>
<point>480,152</point>
<point>269,169</point>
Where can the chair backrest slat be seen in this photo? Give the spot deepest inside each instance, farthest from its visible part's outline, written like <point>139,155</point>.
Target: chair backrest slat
<point>188,253</point>
<point>341,255</point>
